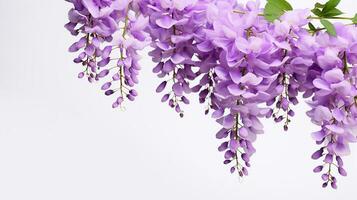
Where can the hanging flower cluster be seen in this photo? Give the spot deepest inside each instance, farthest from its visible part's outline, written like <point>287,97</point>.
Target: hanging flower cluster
<point>244,61</point>
<point>111,34</point>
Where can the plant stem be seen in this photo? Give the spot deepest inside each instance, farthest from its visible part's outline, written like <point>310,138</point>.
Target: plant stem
<point>121,71</point>
<point>310,17</point>
<point>343,18</point>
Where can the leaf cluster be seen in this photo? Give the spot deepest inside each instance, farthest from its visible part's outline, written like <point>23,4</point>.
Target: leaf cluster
<point>275,8</point>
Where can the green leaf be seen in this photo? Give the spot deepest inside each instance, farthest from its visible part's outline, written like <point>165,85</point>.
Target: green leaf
<point>330,28</point>
<point>354,19</point>
<point>272,12</point>
<point>317,12</point>
<point>331,4</point>
<point>275,8</point>
<point>312,27</point>
<point>319,5</point>
<point>282,4</point>
<point>332,13</point>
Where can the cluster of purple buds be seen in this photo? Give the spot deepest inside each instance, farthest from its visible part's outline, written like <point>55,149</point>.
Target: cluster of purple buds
<point>246,62</point>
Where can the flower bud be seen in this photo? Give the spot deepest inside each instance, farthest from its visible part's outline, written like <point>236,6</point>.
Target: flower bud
<point>133,92</point>
<point>161,87</point>
<point>103,73</point>
<point>339,161</point>
<point>227,162</point>
<point>328,158</point>
<point>342,171</point>
<point>318,169</point>
<point>106,85</point>
<point>223,146</point>
<point>109,92</point>
<point>81,75</point>
<point>317,154</point>
<point>233,169</point>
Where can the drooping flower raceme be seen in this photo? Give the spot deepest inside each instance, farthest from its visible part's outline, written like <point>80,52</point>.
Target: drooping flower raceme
<point>244,61</point>
<point>334,99</point>
<point>112,35</point>
<point>256,66</point>
<point>93,32</point>
<point>173,25</point>
<point>124,52</point>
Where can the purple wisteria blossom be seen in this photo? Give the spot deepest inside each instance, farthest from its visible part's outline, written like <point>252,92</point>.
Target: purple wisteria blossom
<point>244,61</point>
<point>112,36</point>
<point>256,68</point>
<point>333,81</point>
<point>173,26</point>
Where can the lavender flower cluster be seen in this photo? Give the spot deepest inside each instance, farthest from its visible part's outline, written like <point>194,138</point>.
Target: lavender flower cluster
<point>244,61</point>
<point>111,34</point>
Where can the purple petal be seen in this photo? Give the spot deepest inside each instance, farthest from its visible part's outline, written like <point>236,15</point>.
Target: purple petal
<point>341,148</point>
<point>343,87</point>
<point>103,62</point>
<point>221,73</point>
<point>335,129</point>
<point>233,145</point>
<point>228,121</point>
<point>328,158</point>
<point>235,90</point>
<point>319,135</point>
<point>338,114</point>
<point>177,88</point>
<point>181,38</point>
<point>334,75</point>
<point>251,79</point>
<point>158,67</point>
<point>166,22</point>
<point>321,84</point>
<point>177,58</point>
<point>229,154</point>
<point>322,113</point>
<point>218,113</point>
<point>205,46</point>
<point>243,132</point>
<point>106,52</point>
<point>235,76</point>
<point>168,66</point>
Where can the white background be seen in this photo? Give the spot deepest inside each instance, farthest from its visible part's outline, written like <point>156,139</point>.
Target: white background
<point>60,139</point>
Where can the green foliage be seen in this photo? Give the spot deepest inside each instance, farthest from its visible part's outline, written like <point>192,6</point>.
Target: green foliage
<point>327,10</point>
<point>272,12</point>
<point>282,4</point>
<point>312,27</point>
<point>330,28</point>
<point>331,4</point>
<point>275,8</point>
<point>319,5</point>
<point>333,12</point>
<point>316,11</point>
